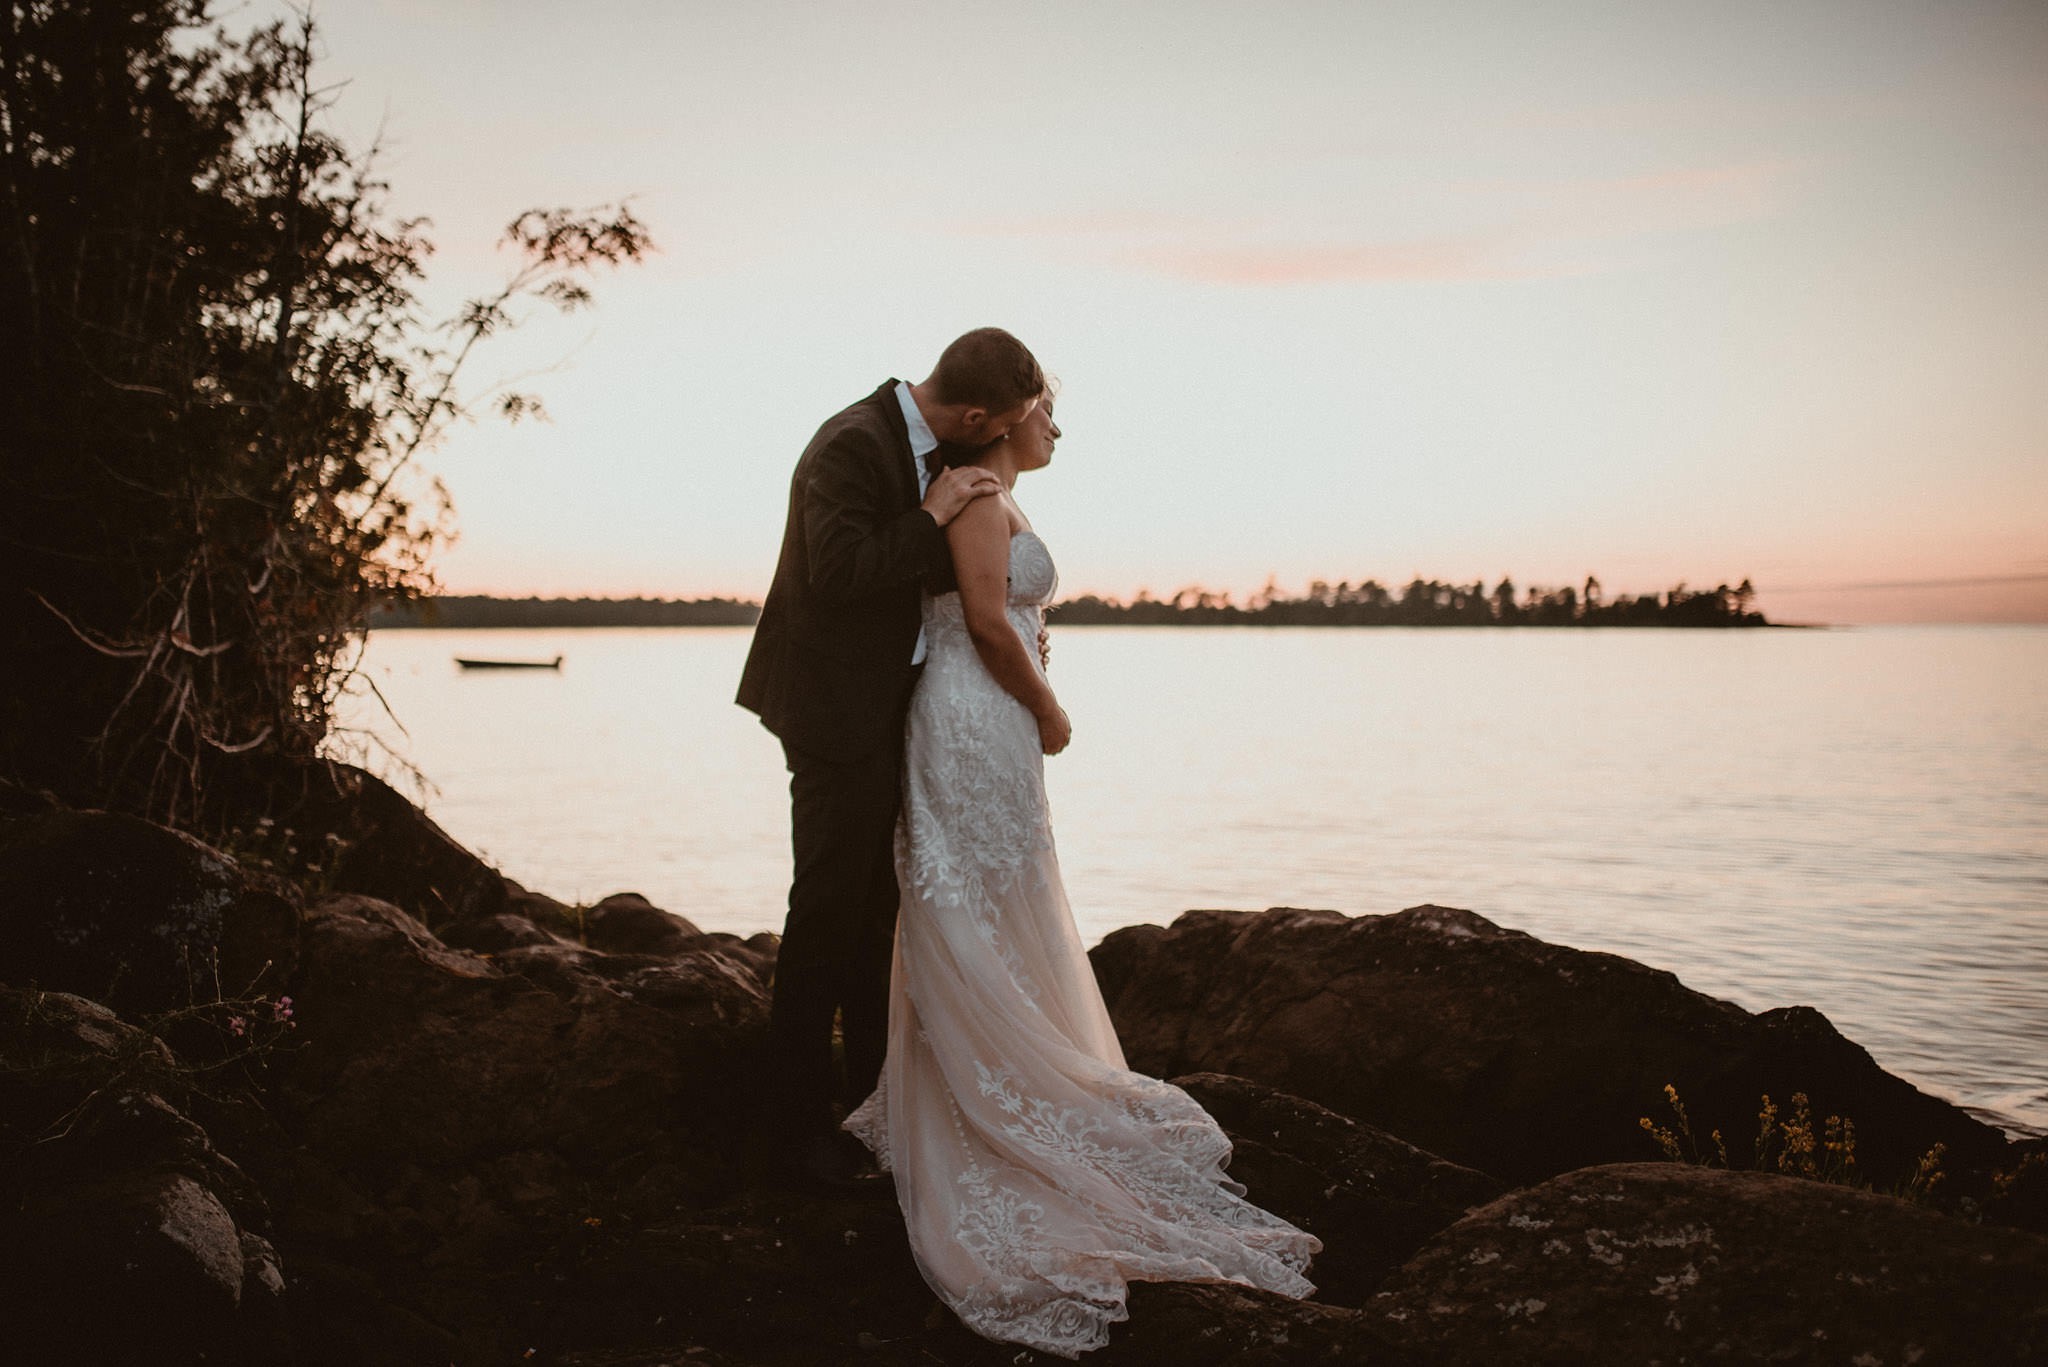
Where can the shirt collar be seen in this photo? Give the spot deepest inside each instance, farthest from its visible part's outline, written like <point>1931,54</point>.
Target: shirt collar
<point>921,438</point>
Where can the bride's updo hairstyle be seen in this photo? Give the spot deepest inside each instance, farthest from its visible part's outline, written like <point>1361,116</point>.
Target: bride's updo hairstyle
<point>987,368</point>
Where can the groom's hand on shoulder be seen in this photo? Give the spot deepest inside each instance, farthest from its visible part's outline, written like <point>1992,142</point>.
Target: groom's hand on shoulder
<point>954,489</point>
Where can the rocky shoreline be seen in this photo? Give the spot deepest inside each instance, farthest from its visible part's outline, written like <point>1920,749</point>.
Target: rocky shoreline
<point>359,1099</point>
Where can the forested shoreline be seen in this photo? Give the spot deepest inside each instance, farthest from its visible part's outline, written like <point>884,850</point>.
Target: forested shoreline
<point>1426,603</point>
<point>1422,602</point>
<point>479,610</point>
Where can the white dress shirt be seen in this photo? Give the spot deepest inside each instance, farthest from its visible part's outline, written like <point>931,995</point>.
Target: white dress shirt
<point>922,443</point>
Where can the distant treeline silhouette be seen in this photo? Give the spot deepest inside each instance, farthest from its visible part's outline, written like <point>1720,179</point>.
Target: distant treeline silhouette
<point>1425,603</point>
<point>476,610</point>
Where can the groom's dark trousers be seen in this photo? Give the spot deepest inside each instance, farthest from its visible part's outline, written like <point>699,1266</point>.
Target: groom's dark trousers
<point>830,674</point>
<point>840,933</point>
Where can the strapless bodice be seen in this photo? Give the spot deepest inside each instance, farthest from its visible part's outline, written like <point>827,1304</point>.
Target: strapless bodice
<point>1033,581</point>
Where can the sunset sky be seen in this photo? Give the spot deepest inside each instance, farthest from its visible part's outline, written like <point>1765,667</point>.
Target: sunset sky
<point>1657,292</point>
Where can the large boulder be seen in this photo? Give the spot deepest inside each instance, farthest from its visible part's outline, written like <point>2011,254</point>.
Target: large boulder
<point>1494,1048</point>
<point>449,1119</point>
<point>413,1053</point>
<point>1372,1198</point>
<point>627,923</point>
<point>1663,1262</point>
<point>339,828</point>
<point>138,916</point>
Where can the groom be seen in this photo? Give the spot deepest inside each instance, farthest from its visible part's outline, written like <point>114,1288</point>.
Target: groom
<point>838,646</point>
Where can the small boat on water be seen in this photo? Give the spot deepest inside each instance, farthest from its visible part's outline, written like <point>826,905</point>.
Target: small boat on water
<point>555,663</point>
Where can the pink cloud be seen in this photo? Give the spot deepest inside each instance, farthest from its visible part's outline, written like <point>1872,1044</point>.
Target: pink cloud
<point>1530,229</point>
<point>1243,252</point>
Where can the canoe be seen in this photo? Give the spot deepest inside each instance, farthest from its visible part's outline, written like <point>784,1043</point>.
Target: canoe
<point>555,663</point>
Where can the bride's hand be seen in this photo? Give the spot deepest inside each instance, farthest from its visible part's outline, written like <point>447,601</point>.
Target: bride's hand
<point>1055,731</point>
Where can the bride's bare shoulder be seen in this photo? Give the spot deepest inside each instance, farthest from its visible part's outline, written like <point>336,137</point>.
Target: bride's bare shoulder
<point>994,518</point>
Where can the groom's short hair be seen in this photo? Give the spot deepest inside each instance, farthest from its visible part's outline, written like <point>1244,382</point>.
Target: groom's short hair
<point>987,368</point>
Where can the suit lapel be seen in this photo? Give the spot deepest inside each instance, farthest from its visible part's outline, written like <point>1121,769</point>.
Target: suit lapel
<point>903,463</point>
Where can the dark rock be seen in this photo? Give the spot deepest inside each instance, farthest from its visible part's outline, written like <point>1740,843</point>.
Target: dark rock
<point>627,923</point>
<point>488,935</point>
<point>124,1235</point>
<point>41,1032</point>
<point>765,946</point>
<point>449,1121</point>
<point>773,1278</point>
<point>2019,1194</point>
<point>415,1053</point>
<point>557,918</point>
<point>1664,1262</point>
<point>562,967</point>
<point>1175,1322</point>
<point>1491,1047</point>
<point>756,953</point>
<point>138,916</point>
<point>363,835</point>
<point>344,1316</point>
<point>509,1130</point>
<point>1371,1198</point>
<point>643,1357</point>
<point>173,1222</point>
<point>708,986</point>
<point>155,1248</point>
<point>767,1276</point>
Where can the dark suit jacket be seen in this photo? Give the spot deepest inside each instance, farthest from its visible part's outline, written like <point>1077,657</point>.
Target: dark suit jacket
<point>829,668</point>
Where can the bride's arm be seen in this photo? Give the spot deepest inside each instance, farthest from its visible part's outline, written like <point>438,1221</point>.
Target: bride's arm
<point>979,538</point>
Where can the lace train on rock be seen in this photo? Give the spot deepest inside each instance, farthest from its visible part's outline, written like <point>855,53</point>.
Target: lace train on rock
<point>1037,1174</point>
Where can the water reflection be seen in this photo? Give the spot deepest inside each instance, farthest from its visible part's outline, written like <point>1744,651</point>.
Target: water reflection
<point>1852,820</point>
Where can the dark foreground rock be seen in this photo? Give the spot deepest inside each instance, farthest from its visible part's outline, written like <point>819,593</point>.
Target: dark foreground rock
<point>143,918</point>
<point>1372,1198</point>
<point>456,1118</point>
<point>435,1124</point>
<point>346,830</point>
<point>416,1054</point>
<point>490,1128</point>
<point>125,1236</point>
<point>1660,1262</point>
<point>1493,1048</point>
<point>774,1278</point>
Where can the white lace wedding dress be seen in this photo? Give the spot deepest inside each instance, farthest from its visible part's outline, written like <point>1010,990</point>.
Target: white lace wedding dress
<point>1037,1174</point>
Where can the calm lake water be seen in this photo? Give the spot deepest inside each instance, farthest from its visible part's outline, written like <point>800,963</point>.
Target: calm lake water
<point>1853,820</point>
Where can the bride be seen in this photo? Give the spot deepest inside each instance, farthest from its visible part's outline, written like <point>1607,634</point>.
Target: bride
<point>1038,1175</point>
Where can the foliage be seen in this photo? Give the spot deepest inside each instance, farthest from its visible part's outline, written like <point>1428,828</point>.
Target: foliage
<point>266,846</point>
<point>221,1044</point>
<point>1788,1144</point>
<point>219,377</point>
<point>1425,602</point>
